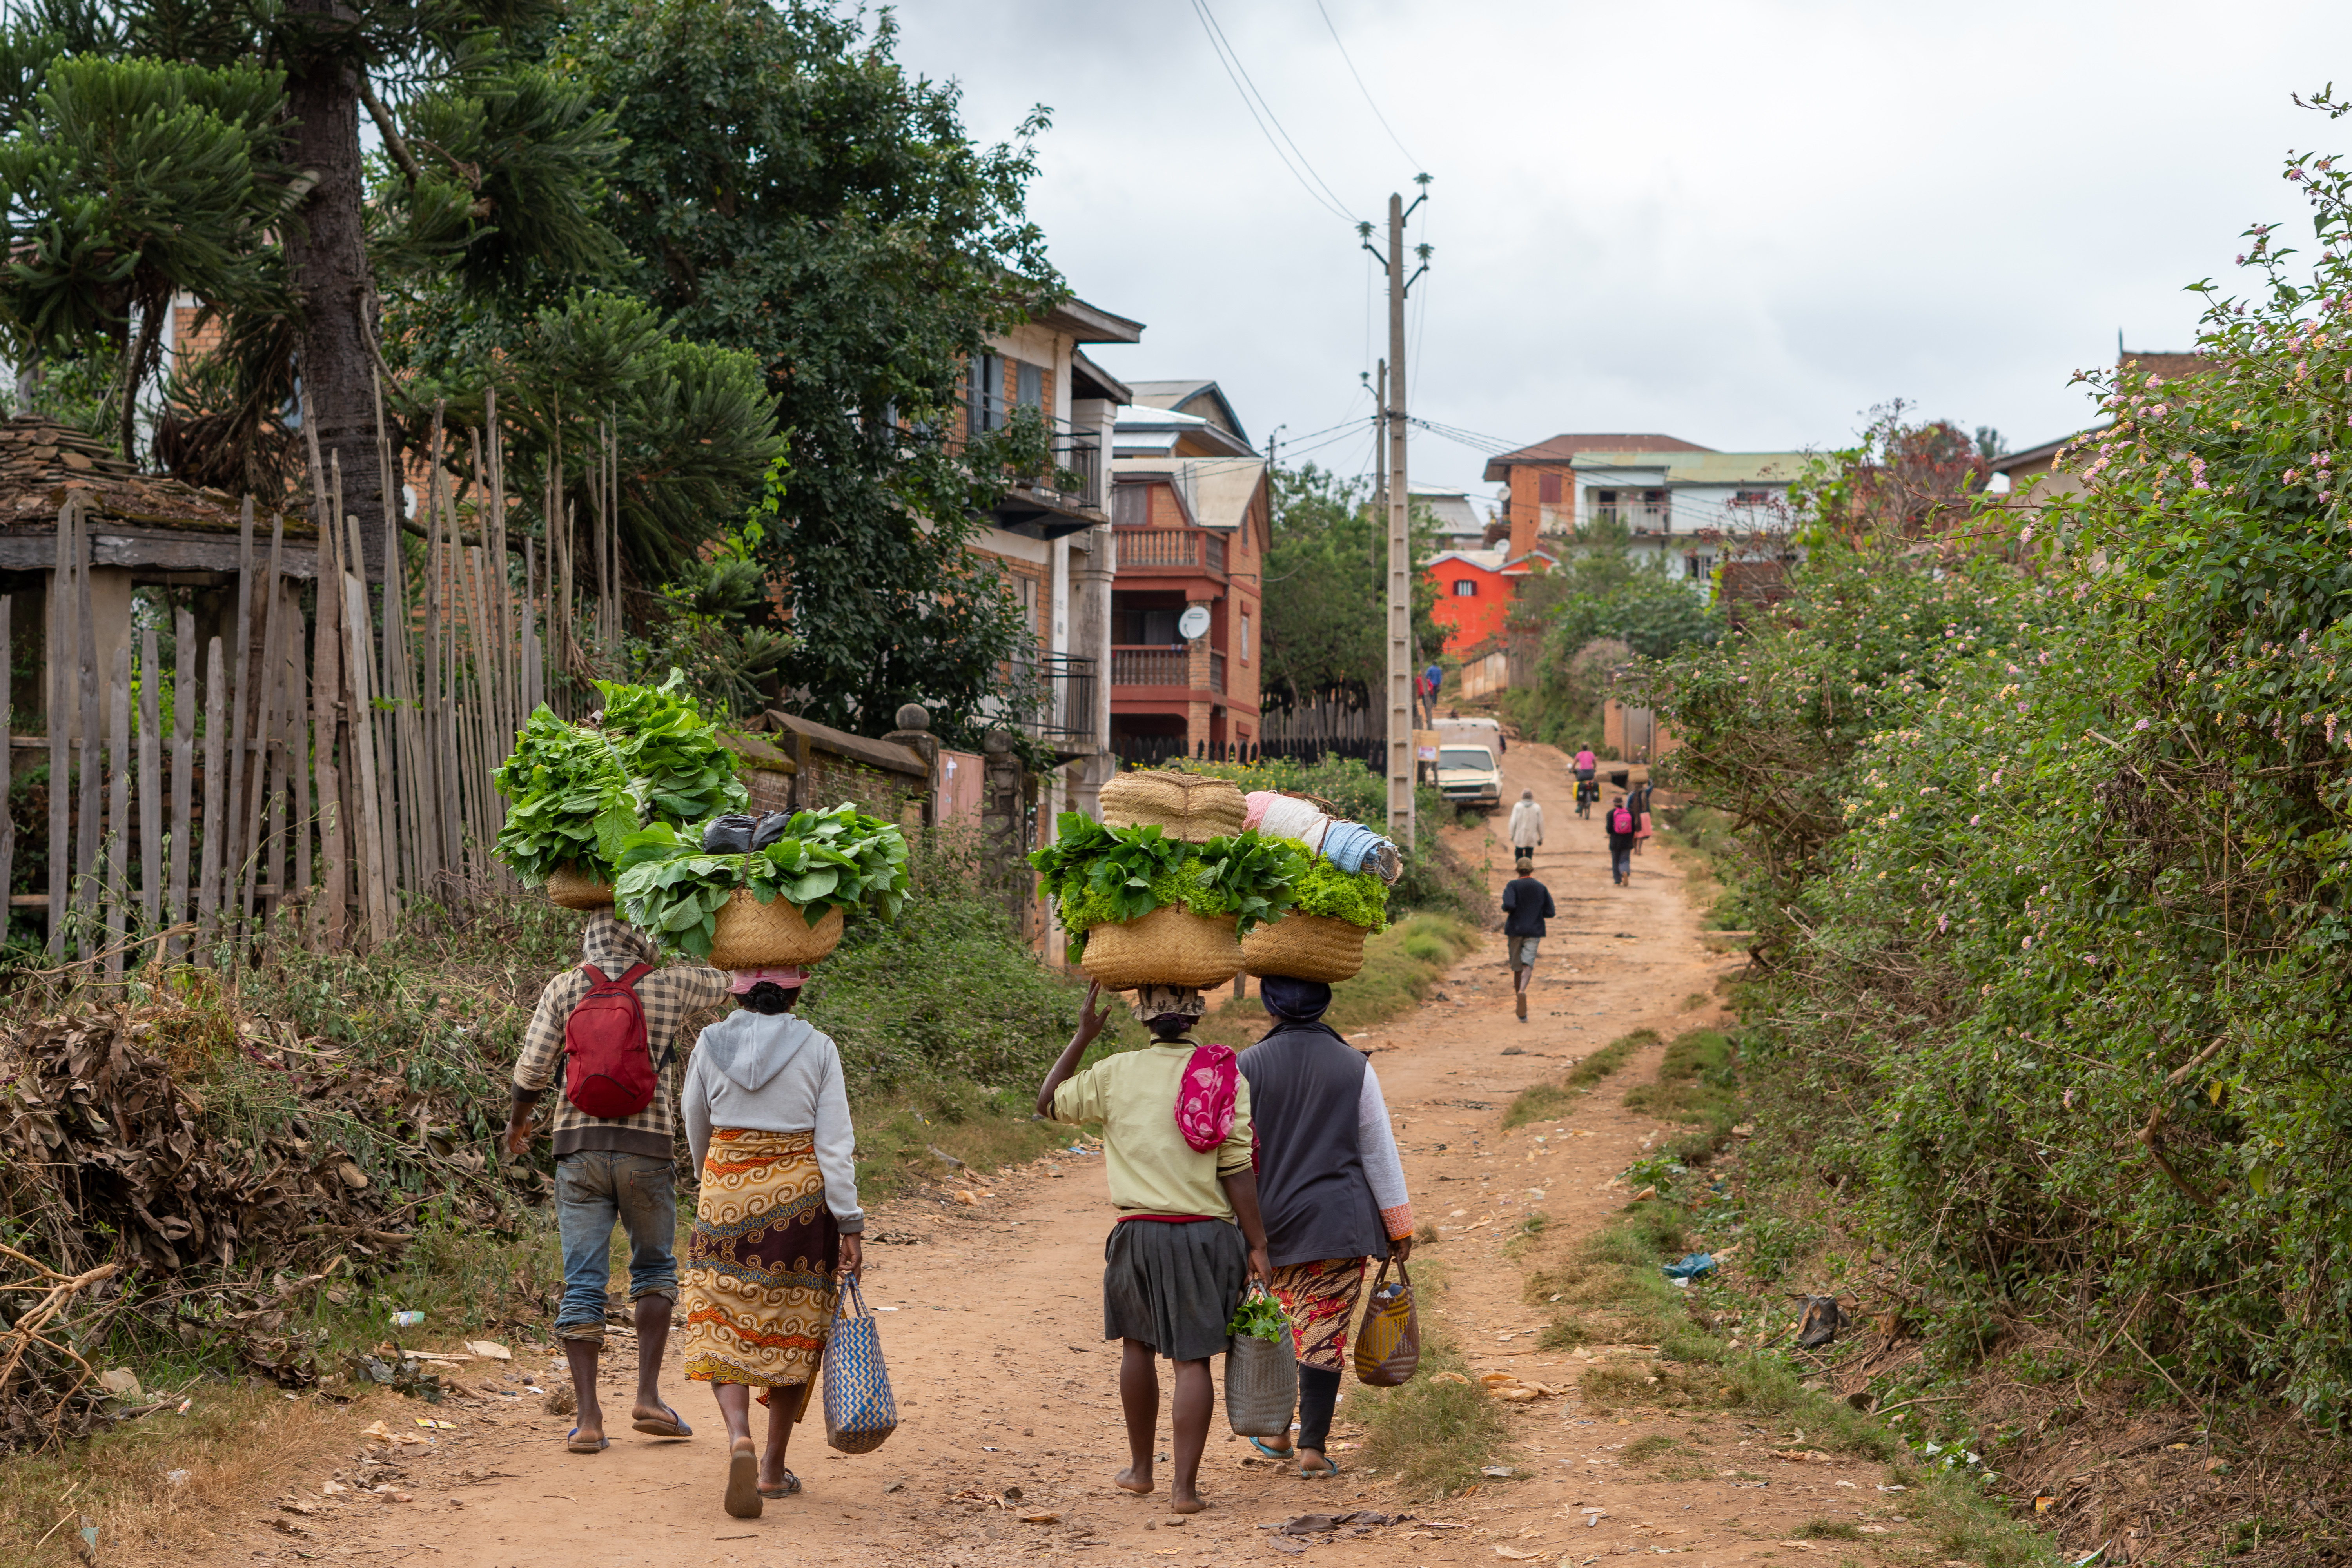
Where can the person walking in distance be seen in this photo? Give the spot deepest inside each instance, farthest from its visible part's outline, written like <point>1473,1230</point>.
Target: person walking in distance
<point>614,1131</point>
<point>1587,791</point>
<point>1331,1191</point>
<point>1527,826</point>
<point>1624,832</point>
<point>1527,904</point>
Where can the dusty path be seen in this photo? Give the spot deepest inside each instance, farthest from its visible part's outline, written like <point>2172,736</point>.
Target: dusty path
<point>991,1328</point>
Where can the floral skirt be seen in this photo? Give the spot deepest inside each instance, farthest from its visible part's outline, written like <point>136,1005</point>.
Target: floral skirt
<point>758,1282</point>
<point>1320,1298</point>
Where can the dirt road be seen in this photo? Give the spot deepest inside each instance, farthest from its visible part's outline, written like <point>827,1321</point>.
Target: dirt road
<point>992,1329</point>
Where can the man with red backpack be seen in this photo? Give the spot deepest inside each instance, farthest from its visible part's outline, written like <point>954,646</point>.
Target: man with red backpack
<point>611,1021</point>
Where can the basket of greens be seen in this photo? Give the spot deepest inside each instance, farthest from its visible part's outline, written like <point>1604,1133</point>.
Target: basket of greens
<point>1145,908</point>
<point>1261,1367</point>
<point>1322,936</point>
<point>576,791</point>
<point>782,904</point>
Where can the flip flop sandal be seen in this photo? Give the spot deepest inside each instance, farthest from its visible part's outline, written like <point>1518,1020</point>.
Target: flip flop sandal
<point>1283,1454</point>
<point>667,1426</point>
<point>790,1488</point>
<point>743,1483</point>
<point>574,1444</point>
<point>1325,1474</point>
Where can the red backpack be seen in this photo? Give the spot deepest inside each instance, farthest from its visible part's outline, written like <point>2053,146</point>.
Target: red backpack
<point>1621,821</point>
<point>611,1074</point>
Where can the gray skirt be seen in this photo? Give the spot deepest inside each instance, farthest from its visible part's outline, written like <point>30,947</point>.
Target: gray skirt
<point>1174,1287</point>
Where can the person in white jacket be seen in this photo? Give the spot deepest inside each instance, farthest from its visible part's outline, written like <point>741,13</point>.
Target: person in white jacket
<point>1527,824</point>
<point>777,1223</point>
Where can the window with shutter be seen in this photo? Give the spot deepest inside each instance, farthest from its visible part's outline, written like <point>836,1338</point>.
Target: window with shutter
<point>1547,489</point>
<point>985,399</point>
<point>1028,385</point>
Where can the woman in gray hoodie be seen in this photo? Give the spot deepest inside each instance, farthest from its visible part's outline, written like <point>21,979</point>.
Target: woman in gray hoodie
<point>777,1223</point>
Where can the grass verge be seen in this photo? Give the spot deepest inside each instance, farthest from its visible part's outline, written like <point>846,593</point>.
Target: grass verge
<point>1546,1100</point>
<point>1436,1433</point>
<point>1697,1082</point>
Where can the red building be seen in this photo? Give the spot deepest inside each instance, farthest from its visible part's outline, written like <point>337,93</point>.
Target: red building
<point>1475,590</point>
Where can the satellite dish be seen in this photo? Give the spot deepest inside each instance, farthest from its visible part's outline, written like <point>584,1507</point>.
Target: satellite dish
<point>1194,621</point>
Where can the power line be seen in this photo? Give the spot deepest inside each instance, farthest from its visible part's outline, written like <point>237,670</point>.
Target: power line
<point>1253,100</point>
<point>1362,89</point>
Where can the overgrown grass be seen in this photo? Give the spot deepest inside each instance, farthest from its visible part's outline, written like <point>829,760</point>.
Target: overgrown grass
<point>1436,1433</point>
<point>1609,1290</point>
<point>1707,849</point>
<point>1544,1101</point>
<point>1698,1082</point>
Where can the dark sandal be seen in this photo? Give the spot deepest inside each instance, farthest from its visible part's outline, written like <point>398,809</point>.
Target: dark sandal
<point>790,1488</point>
<point>664,1425</point>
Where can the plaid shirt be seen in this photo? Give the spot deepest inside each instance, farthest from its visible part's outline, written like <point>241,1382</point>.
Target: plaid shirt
<point>668,995</point>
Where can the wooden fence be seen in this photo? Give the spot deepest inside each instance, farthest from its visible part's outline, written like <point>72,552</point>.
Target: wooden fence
<point>332,764</point>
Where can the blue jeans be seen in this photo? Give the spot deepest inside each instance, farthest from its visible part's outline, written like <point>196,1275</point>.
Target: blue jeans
<point>594,1188</point>
<point>1621,861</point>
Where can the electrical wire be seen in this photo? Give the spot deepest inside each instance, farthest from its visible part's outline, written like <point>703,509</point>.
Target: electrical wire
<point>1366,92</point>
<point>1253,100</point>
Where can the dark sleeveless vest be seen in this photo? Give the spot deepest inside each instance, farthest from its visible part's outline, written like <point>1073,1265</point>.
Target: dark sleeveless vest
<point>1306,1083</point>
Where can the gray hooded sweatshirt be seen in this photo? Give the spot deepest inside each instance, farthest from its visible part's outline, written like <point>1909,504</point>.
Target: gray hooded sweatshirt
<point>775,1074</point>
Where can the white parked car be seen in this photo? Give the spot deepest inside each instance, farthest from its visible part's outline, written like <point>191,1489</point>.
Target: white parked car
<point>1468,775</point>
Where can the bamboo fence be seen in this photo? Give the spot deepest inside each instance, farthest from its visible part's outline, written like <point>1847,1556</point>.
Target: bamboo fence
<point>326,769</point>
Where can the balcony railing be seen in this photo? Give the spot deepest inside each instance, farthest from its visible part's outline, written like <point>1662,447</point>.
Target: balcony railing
<point>1151,667</point>
<point>1051,466</point>
<point>1637,516</point>
<point>1065,687</point>
<point>1182,547</point>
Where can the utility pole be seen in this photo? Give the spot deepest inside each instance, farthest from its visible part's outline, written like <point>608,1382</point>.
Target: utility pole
<point>1380,441</point>
<point>1403,766</point>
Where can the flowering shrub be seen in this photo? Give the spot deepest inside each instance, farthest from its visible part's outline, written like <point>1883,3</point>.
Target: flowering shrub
<point>2058,870</point>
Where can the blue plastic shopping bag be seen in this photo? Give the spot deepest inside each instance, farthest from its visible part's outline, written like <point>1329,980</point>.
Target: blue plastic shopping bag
<point>858,1410</point>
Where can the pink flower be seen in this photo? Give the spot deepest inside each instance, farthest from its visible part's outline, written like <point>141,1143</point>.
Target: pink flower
<point>2141,725</point>
<point>1974,820</point>
<point>2197,473</point>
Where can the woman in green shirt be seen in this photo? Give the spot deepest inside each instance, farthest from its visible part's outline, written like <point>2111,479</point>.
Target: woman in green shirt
<point>1176,1151</point>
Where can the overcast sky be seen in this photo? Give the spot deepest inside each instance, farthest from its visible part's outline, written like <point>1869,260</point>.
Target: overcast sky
<point>1740,224</point>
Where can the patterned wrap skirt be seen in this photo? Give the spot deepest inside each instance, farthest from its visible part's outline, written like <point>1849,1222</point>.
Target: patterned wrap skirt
<point>760,1286</point>
<point>1320,1298</point>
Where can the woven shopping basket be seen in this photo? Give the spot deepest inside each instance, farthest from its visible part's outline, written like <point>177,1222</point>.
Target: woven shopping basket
<point>1306,947</point>
<point>859,1412</point>
<point>753,935</point>
<point>1170,946</point>
<point>1190,806</point>
<point>1387,1344</point>
<point>1261,1384</point>
<point>569,887</point>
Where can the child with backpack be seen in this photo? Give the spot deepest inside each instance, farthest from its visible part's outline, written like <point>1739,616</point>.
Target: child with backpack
<point>612,1020</point>
<point>1624,830</point>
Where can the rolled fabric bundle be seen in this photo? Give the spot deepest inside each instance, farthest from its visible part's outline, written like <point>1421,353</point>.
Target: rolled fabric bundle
<point>1286,817</point>
<point>1254,802</point>
<point>1352,847</point>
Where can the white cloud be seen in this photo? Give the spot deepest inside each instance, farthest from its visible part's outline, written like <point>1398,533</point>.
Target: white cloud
<point>1742,224</point>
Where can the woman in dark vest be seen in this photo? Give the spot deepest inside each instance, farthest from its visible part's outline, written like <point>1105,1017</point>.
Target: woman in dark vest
<point>1330,1190</point>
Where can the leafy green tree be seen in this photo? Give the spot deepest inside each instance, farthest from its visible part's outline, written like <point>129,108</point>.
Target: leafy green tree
<point>1599,596</point>
<point>1326,588</point>
<point>160,147</point>
<point>789,190</point>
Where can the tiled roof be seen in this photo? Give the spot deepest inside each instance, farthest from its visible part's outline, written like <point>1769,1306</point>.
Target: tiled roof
<point>1561,448</point>
<point>2171,366</point>
<point>42,462</point>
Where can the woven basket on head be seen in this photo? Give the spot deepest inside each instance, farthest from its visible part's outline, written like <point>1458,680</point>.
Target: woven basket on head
<point>1306,947</point>
<point>1190,806</point>
<point>568,888</point>
<point>1170,946</point>
<point>753,935</point>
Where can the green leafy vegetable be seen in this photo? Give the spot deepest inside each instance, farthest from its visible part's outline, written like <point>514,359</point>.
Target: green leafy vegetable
<point>1259,1317</point>
<point>842,859</point>
<point>577,791</point>
<point>1100,876</point>
<point>1359,898</point>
